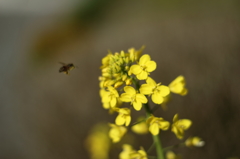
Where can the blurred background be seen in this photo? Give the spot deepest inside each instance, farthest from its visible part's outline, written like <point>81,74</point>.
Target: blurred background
<point>45,114</point>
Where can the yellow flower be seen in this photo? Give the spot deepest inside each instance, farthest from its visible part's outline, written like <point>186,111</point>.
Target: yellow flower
<point>194,141</point>
<point>172,155</point>
<point>116,132</point>
<point>157,91</point>
<point>178,86</point>
<point>140,154</point>
<point>144,67</point>
<point>132,96</point>
<point>180,125</point>
<point>110,96</point>
<point>123,117</point>
<point>98,142</point>
<point>141,127</point>
<point>155,124</point>
<point>127,150</point>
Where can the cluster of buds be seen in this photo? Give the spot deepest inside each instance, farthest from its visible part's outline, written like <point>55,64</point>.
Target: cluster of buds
<point>116,68</point>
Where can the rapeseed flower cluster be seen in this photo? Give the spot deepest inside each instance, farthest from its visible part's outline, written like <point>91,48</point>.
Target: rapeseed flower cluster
<point>126,79</point>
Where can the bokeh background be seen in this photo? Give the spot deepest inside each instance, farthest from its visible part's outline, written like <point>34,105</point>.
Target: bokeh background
<point>45,114</point>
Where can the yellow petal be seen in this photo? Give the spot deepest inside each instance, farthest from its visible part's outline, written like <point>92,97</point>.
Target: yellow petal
<point>119,120</point>
<point>142,153</point>
<point>137,105</point>
<point>140,128</point>
<point>106,98</point>
<point>128,120</point>
<point>141,98</point>
<point>113,102</point>
<point>106,105</point>
<point>170,155</point>
<point>124,111</point>
<point>164,90</point>
<point>154,129</point>
<point>145,58</point>
<point>126,97</point>
<point>150,119</point>
<point>135,69</point>
<point>151,82</point>
<point>175,118</point>
<point>142,75</point>
<point>178,86</point>
<point>184,92</point>
<point>146,89</point>
<point>164,125</point>
<point>151,66</point>
<point>129,90</point>
<point>157,98</point>
<point>184,123</point>
<point>178,132</point>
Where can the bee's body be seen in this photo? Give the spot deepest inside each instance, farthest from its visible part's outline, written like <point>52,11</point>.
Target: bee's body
<point>66,68</point>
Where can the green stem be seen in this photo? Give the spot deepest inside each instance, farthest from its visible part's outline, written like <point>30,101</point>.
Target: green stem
<point>156,139</point>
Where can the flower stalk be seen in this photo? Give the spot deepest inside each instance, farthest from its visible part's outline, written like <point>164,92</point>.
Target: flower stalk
<point>156,139</point>
<point>120,82</point>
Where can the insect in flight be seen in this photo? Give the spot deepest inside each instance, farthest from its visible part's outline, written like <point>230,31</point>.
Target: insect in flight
<point>66,67</point>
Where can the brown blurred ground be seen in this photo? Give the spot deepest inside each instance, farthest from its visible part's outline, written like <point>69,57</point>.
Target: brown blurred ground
<point>45,114</point>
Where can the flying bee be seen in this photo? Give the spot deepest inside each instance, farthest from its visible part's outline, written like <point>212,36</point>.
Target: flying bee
<point>66,67</point>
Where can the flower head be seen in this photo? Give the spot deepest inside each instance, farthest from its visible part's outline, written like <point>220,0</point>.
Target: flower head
<point>178,86</point>
<point>172,155</point>
<point>180,125</point>
<point>157,91</point>
<point>140,154</point>
<point>194,141</point>
<point>141,127</point>
<point>132,96</point>
<point>129,153</point>
<point>144,67</point>
<point>98,142</point>
<point>116,132</point>
<point>123,117</point>
<point>110,96</point>
<point>115,68</point>
<point>127,150</point>
<point>155,124</point>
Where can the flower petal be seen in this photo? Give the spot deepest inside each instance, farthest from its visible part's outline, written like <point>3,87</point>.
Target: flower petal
<point>142,75</point>
<point>178,132</point>
<point>137,105</point>
<point>129,90</point>
<point>141,98</point>
<point>157,98</point>
<point>128,120</point>
<point>151,66</point>
<point>184,123</point>
<point>151,82</point>
<point>119,120</point>
<point>154,129</point>
<point>106,98</point>
<point>144,59</point>
<point>113,102</point>
<point>164,125</point>
<point>150,119</point>
<point>164,90</point>
<point>126,97</point>
<point>146,89</point>
<point>135,69</point>
<point>175,118</point>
